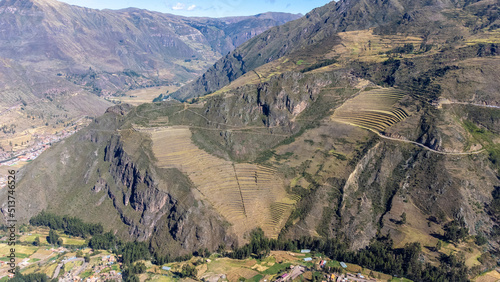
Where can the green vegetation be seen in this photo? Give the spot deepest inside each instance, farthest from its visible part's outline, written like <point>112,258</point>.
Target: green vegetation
<point>319,65</point>
<point>188,270</point>
<point>129,273</point>
<point>277,268</point>
<point>455,231</point>
<point>70,225</point>
<point>407,48</point>
<point>130,251</point>
<point>54,238</point>
<point>256,278</point>
<point>380,255</point>
<point>485,138</point>
<point>495,203</point>
<point>33,277</point>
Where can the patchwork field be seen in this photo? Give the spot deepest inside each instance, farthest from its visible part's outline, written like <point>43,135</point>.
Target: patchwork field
<point>369,47</point>
<point>247,195</point>
<point>373,110</point>
<point>145,95</point>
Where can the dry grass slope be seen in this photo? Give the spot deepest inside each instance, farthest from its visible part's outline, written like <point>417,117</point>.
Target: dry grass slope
<point>373,110</point>
<point>247,195</point>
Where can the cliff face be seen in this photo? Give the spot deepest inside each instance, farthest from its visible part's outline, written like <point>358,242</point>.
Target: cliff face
<point>164,210</point>
<point>270,108</point>
<point>119,190</point>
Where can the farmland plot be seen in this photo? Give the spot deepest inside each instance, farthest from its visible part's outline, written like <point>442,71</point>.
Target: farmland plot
<point>247,195</point>
<point>373,110</point>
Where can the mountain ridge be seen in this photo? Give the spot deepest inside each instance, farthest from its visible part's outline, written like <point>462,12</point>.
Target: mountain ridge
<point>321,23</point>
<point>113,40</point>
<point>106,53</point>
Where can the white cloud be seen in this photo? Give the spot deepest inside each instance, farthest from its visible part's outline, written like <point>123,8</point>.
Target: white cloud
<point>190,8</point>
<point>178,6</point>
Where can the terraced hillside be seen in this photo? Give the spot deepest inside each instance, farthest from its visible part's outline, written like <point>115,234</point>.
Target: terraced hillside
<point>311,113</point>
<point>373,110</point>
<point>247,195</point>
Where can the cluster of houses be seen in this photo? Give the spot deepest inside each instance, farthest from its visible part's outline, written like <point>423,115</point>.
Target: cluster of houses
<point>296,271</point>
<point>100,271</point>
<point>98,274</point>
<point>41,143</point>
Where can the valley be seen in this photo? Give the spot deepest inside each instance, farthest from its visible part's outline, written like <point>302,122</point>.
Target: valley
<point>366,131</point>
<point>65,69</point>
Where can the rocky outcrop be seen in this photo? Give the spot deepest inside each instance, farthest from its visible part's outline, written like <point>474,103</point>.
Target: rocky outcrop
<point>159,214</point>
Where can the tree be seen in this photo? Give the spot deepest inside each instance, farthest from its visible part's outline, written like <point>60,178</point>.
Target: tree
<point>79,254</point>
<point>438,245</point>
<point>403,218</point>
<point>138,268</point>
<point>87,257</point>
<point>188,271</point>
<point>36,242</point>
<point>455,231</point>
<point>53,237</point>
<point>480,240</point>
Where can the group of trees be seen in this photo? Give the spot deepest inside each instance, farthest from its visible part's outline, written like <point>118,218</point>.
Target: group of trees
<point>134,251</point>
<point>129,272</point>
<point>455,231</point>
<point>188,270</point>
<point>32,277</point>
<point>130,251</point>
<point>380,255</point>
<point>70,225</point>
<point>54,238</point>
<point>106,241</point>
<point>407,48</point>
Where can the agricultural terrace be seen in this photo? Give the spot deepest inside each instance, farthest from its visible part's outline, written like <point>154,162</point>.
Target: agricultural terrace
<point>369,47</point>
<point>373,110</point>
<point>247,195</point>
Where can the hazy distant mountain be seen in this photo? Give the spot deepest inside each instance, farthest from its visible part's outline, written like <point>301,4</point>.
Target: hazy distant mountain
<point>54,55</point>
<point>110,51</point>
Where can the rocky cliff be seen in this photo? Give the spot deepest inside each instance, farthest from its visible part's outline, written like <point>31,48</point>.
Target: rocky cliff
<point>127,193</point>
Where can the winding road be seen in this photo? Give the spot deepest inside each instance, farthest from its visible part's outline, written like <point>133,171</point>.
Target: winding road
<point>425,147</point>
<point>63,262</point>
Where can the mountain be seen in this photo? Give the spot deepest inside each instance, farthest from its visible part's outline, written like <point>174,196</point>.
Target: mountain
<point>318,29</point>
<point>57,57</point>
<point>110,51</point>
<point>361,120</point>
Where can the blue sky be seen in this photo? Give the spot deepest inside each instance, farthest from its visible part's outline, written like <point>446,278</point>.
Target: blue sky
<point>200,8</point>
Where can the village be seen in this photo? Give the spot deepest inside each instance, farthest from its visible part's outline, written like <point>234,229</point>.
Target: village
<point>70,262</point>
<point>21,154</point>
<point>73,261</point>
<point>68,267</point>
<point>33,150</point>
<point>327,273</point>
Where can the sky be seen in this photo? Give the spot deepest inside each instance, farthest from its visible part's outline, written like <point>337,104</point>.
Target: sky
<point>203,8</point>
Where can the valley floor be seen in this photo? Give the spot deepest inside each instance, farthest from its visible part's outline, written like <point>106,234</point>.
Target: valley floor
<point>67,264</point>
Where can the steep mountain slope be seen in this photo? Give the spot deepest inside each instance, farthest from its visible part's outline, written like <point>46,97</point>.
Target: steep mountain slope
<point>34,104</point>
<point>54,55</point>
<point>319,28</point>
<point>126,48</point>
<point>387,127</point>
